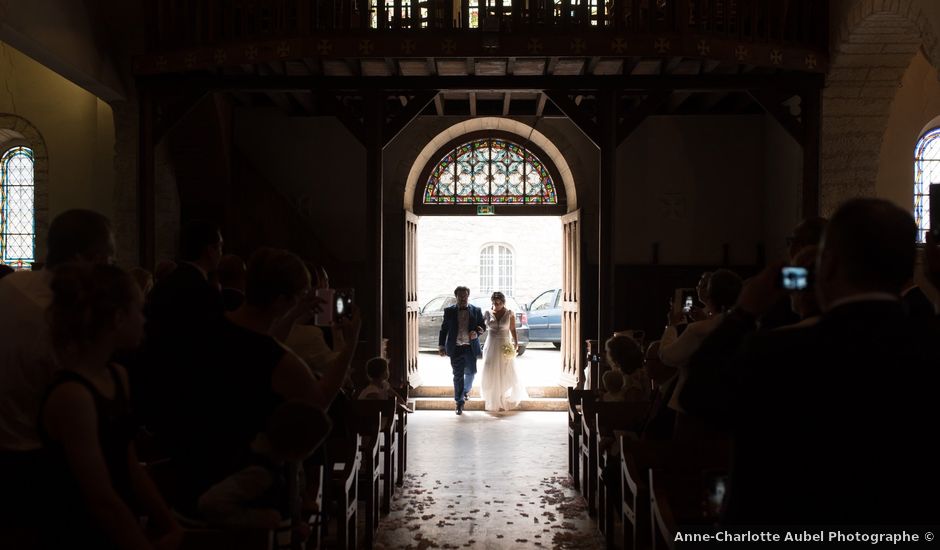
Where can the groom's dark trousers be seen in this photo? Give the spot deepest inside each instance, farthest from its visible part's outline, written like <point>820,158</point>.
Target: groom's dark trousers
<point>464,364</point>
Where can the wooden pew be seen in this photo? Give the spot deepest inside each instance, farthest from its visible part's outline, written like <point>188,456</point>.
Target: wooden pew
<point>574,432</point>
<point>688,462</point>
<point>367,421</point>
<point>402,427</point>
<point>611,417</point>
<point>388,443</point>
<point>588,449</point>
<point>345,460</point>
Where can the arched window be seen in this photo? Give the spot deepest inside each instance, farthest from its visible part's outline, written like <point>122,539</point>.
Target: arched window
<point>490,171</point>
<point>496,268</point>
<point>17,219</point>
<point>926,171</point>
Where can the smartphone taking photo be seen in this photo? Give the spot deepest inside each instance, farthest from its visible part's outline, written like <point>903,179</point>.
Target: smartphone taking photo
<point>793,278</point>
<point>338,305</point>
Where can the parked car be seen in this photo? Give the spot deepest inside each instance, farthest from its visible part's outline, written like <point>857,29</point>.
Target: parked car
<point>545,317</point>
<point>432,315</point>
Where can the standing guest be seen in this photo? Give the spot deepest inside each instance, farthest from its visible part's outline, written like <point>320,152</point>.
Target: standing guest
<point>94,476</point>
<point>227,398</point>
<point>144,280</point>
<point>231,277</point>
<point>804,302</point>
<point>917,304</point>
<point>822,388</point>
<point>807,233</point>
<point>6,270</point>
<point>27,363</point>
<point>181,310</point>
<point>317,346</point>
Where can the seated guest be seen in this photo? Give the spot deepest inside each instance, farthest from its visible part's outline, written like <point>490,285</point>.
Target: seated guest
<point>624,355</point>
<point>379,388</point>
<point>613,386</point>
<point>817,439</point>
<point>27,361</point>
<point>93,475</point>
<point>258,495</point>
<point>231,277</point>
<point>228,398</point>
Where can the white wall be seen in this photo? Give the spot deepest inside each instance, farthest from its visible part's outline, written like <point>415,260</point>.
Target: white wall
<point>449,253</point>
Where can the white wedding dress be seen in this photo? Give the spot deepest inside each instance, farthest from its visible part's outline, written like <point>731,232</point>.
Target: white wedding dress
<point>501,387</point>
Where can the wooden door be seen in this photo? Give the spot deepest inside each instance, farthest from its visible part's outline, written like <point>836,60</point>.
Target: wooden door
<point>571,355</point>
<point>411,299</point>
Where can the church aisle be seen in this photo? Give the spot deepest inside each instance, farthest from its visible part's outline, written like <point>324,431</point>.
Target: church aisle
<point>487,481</point>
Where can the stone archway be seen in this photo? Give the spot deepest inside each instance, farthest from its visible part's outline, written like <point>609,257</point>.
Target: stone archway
<point>22,132</point>
<point>873,48</point>
<point>425,156</point>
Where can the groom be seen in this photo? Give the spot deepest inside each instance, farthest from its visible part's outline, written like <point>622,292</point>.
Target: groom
<point>459,340</point>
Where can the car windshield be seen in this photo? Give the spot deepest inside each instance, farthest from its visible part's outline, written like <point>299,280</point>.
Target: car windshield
<point>484,303</point>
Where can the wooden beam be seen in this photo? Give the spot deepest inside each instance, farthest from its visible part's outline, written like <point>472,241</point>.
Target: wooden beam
<point>473,104</point>
<point>510,65</point>
<point>439,105</point>
<point>563,101</point>
<point>811,115</point>
<point>634,118</point>
<point>771,102</point>
<point>507,97</point>
<point>540,107</point>
<point>415,107</point>
<point>169,115</point>
<point>146,181</point>
<point>356,85</point>
<point>608,103</point>
<point>333,106</point>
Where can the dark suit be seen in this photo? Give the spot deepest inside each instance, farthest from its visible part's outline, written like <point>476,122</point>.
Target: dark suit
<point>832,423</point>
<point>917,303</point>
<point>463,359</point>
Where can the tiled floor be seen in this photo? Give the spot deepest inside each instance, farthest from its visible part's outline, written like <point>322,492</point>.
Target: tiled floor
<point>485,481</point>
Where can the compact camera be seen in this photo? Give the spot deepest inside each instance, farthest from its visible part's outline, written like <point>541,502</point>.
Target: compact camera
<point>793,278</point>
<point>338,305</point>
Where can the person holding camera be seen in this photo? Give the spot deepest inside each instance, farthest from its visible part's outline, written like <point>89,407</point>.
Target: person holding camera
<point>809,408</point>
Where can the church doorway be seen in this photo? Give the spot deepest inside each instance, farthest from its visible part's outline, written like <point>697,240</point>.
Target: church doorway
<point>490,210</point>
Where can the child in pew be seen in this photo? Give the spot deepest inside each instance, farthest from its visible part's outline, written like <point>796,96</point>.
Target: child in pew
<point>379,388</point>
<point>624,356</point>
<point>613,386</point>
<point>258,496</point>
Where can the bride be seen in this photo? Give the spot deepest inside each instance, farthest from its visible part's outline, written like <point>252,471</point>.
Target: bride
<point>501,389</point>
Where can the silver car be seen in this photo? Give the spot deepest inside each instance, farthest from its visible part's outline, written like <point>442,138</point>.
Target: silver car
<point>432,315</point>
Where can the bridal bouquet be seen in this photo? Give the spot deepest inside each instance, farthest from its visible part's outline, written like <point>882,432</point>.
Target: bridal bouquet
<point>508,350</point>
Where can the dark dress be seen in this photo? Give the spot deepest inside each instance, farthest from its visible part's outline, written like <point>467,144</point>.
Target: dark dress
<point>71,525</point>
<point>227,401</point>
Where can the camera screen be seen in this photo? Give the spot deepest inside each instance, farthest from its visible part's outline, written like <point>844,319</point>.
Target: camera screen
<point>794,278</point>
<point>340,305</point>
<point>687,306</point>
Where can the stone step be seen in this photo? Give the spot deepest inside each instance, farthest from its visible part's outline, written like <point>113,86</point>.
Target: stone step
<point>448,391</point>
<point>447,404</point>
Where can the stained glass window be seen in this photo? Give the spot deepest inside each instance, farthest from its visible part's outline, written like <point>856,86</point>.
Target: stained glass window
<point>17,223</point>
<point>496,269</point>
<point>926,171</point>
<point>490,171</point>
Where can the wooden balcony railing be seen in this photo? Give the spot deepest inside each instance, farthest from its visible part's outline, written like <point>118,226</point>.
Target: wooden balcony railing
<point>181,24</point>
